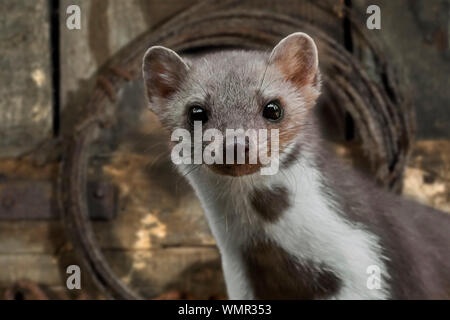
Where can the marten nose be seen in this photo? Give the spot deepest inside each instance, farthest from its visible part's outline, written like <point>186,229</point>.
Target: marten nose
<point>237,151</point>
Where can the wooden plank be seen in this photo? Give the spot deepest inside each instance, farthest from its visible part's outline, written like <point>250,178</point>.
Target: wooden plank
<point>157,208</point>
<point>196,271</point>
<point>144,223</point>
<point>37,268</point>
<point>31,237</point>
<point>25,85</point>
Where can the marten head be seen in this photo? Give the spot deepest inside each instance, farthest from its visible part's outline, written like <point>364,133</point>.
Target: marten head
<point>245,90</point>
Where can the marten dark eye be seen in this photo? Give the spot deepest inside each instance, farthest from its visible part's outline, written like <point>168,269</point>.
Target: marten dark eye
<point>272,111</point>
<point>197,113</point>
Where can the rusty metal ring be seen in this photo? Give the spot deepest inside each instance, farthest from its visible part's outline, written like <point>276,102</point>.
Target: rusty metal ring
<point>383,115</point>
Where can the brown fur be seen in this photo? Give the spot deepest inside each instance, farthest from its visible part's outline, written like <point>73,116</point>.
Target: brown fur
<point>270,203</point>
<point>297,60</point>
<point>167,74</point>
<point>274,274</point>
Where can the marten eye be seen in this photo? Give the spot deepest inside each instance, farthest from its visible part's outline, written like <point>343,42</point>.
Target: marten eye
<point>272,111</point>
<point>197,113</point>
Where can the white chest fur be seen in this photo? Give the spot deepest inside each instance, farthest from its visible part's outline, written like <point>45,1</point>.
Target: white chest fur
<point>312,229</point>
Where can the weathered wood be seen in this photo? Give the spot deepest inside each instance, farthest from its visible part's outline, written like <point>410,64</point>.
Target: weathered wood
<point>38,268</point>
<point>106,27</point>
<point>157,207</point>
<point>417,38</point>
<point>192,270</point>
<point>30,237</point>
<point>427,177</point>
<point>26,81</point>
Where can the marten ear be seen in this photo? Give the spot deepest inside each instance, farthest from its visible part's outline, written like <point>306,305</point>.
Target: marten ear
<point>163,72</point>
<point>296,57</point>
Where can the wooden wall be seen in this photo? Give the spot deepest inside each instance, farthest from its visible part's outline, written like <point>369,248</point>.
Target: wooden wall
<point>26,76</point>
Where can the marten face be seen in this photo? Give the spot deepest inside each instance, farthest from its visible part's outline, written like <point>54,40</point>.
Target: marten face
<point>241,90</point>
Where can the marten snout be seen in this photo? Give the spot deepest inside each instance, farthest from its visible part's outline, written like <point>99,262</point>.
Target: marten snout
<point>237,158</point>
<point>236,151</point>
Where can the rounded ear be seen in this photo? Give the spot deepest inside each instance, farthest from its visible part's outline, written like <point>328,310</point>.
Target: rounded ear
<point>163,72</point>
<point>297,58</point>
